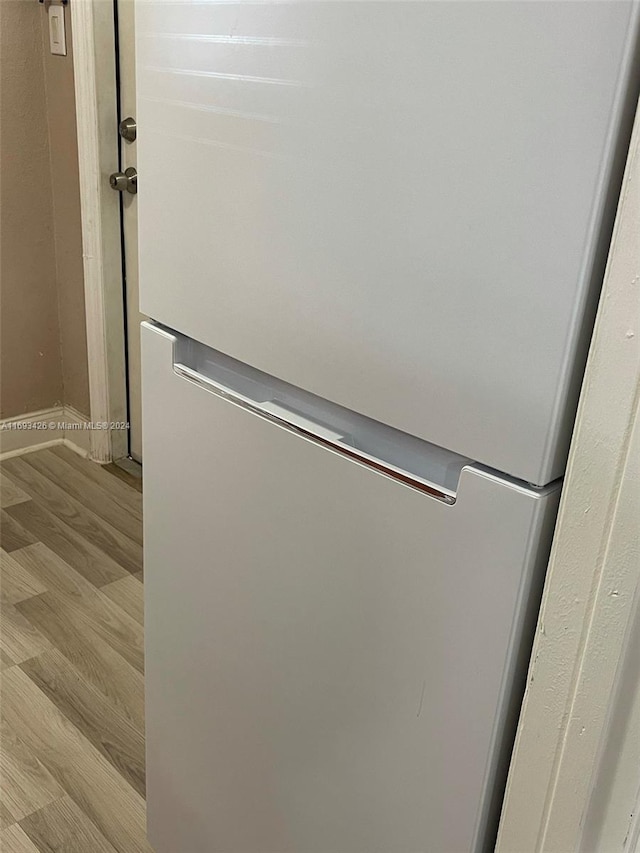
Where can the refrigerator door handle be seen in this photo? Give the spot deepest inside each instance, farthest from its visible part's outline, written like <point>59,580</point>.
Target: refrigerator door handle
<point>312,431</point>
<point>290,416</point>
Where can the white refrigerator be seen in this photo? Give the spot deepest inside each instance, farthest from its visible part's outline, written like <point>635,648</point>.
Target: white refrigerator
<point>372,236</point>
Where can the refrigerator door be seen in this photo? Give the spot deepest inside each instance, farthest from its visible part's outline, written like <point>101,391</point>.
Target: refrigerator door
<point>394,205</point>
<point>334,655</point>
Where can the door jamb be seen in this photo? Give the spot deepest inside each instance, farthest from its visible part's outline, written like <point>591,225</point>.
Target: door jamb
<point>578,678</point>
<point>94,48</point>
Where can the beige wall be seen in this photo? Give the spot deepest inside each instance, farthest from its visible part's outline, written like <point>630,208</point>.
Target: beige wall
<point>61,114</point>
<point>31,370</point>
<point>42,332</point>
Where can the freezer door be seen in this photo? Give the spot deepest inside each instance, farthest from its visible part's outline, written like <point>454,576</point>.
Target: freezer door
<point>395,205</point>
<point>332,653</point>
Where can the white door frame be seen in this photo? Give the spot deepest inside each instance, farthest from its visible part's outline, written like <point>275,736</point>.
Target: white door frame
<point>582,622</point>
<point>94,49</point>
<point>568,758</point>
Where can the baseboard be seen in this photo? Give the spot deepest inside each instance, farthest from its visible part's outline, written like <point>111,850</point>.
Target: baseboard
<point>46,428</point>
<point>76,435</point>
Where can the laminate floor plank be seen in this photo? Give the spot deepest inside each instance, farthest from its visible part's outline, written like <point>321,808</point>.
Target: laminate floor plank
<point>5,660</point>
<point>128,594</point>
<point>52,572</point>
<point>16,581</point>
<point>6,818</point>
<point>118,489</point>
<point>26,782</point>
<point>110,803</point>
<point>119,741</point>
<point>98,662</point>
<point>78,599</point>
<point>63,826</point>
<point>94,497</point>
<point>72,512</point>
<point>96,565</point>
<point>72,774</point>
<point>19,638</point>
<point>121,633</point>
<point>12,533</point>
<point>10,493</point>
<point>15,840</point>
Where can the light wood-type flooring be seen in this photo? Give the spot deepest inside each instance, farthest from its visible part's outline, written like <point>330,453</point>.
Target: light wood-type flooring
<point>71,657</point>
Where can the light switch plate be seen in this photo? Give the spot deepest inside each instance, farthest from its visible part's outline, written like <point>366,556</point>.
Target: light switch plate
<point>57,36</point>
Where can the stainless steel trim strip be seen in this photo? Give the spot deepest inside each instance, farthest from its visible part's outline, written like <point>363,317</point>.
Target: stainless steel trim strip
<point>350,452</point>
